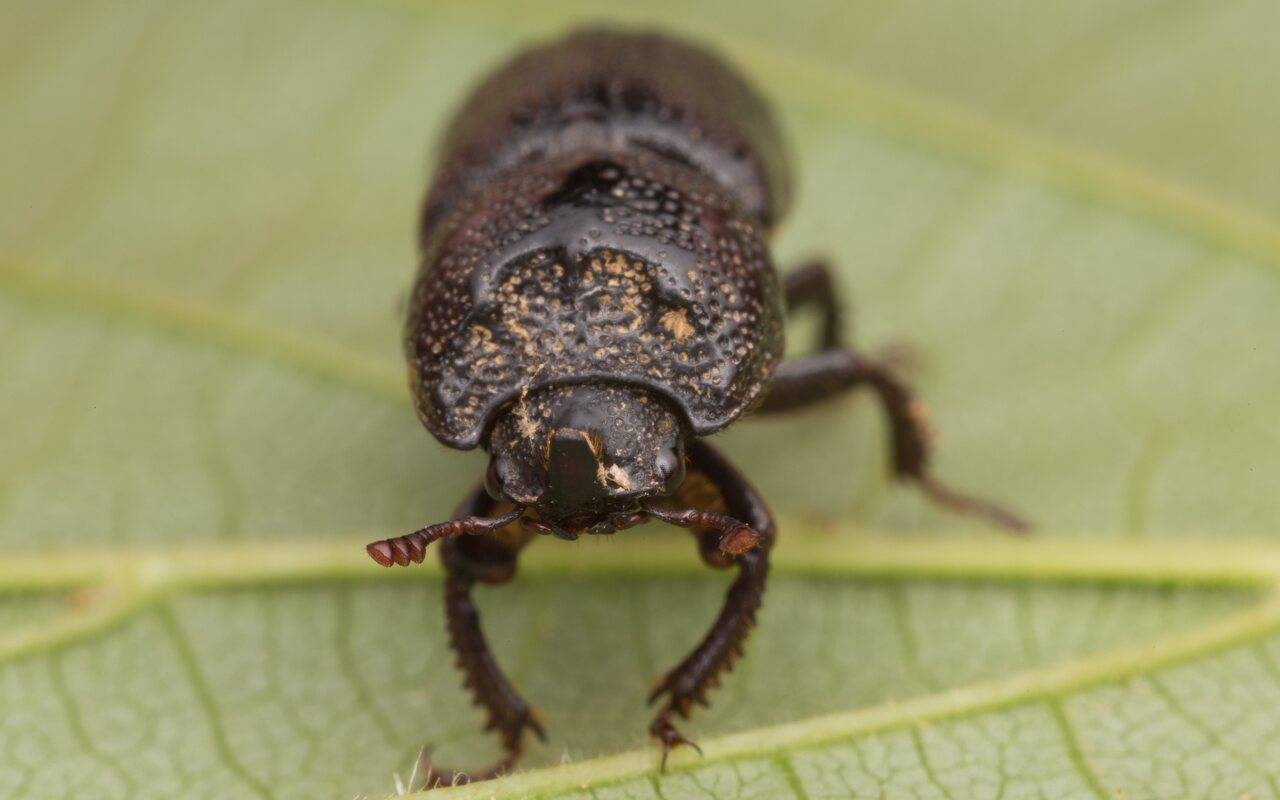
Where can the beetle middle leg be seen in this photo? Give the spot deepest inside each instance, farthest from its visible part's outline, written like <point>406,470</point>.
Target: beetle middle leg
<point>836,368</point>
<point>487,559</point>
<point>692,678</point>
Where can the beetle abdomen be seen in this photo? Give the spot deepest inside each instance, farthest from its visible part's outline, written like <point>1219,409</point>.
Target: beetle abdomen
<point>608,90</point>
<point>571,253</point>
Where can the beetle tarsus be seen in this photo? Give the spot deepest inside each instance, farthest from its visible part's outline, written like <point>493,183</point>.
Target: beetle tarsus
<point>665,732</point>
<point>439,777</point>
<point>961,503</point>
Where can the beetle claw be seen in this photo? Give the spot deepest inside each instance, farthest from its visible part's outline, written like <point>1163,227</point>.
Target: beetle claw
<point>670,737</point>
<point>439,777</point>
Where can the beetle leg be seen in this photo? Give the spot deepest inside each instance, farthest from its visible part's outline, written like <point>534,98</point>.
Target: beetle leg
<point>811,284</point>
<point>836,369</point>
<point>487,559</point>
<point>690,680</point>
<point>818,377</point>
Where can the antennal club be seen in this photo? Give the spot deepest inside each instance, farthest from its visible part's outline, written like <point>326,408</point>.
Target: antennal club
<point>412,547</point>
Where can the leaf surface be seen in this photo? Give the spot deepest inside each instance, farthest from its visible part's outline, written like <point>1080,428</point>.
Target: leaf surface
<point>206,216</point>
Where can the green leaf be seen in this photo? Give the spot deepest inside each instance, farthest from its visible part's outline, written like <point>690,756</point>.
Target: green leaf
<point>206,216</point>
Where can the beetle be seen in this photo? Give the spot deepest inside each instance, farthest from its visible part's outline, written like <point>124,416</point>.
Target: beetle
<point>595,296</point>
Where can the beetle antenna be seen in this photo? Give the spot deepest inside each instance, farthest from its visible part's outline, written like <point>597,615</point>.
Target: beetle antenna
<point>736,537</point>
<point>412,547</point>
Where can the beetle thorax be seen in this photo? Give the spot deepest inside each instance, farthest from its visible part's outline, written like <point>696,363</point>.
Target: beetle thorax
<point>579,453</point>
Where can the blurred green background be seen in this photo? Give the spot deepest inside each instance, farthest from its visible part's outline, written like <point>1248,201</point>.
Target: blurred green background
<point>1068,211</point>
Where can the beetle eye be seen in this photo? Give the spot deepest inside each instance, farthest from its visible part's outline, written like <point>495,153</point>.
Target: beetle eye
<point>670,466</point>
<point>492,482</point>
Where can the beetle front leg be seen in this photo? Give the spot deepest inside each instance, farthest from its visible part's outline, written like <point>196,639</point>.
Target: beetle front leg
<point>836,369</point>
<point>487,559</point>
<point>692,678</point>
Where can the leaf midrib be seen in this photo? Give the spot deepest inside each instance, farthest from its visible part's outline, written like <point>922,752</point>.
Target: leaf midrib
<point>113,585</point>
<point>117,584</point>
<point>842,551</point>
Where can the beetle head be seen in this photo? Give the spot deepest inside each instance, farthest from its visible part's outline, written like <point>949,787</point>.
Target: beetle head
<point>584,456</point>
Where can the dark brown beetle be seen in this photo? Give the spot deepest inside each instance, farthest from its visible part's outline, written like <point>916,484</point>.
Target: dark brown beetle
<point>595,294</point>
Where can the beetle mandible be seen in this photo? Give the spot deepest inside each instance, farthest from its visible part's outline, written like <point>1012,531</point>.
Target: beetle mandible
<point>595,295</point>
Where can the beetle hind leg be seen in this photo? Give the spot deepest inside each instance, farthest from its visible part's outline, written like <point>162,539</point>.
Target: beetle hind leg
<point>836,369</point>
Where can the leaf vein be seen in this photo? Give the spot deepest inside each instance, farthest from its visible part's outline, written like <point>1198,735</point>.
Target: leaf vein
<point>76,722</point>
<point>208,702</point>
<point>1212,736</point>
<point>1075,752</point>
